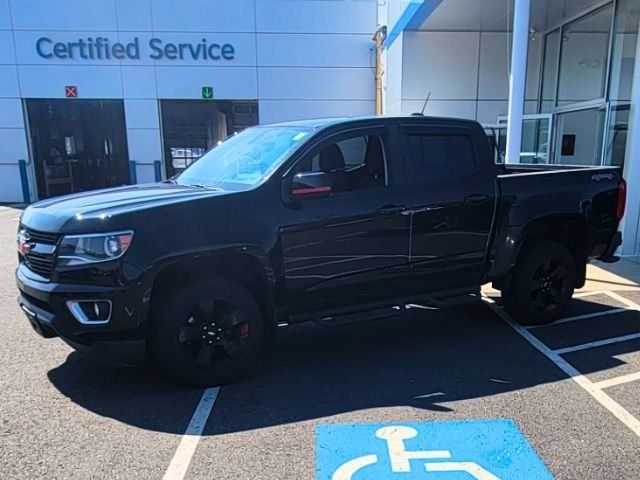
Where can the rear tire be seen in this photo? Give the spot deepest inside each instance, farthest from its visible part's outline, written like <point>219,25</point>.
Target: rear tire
<point>209,332</point>
<point>542,284</point>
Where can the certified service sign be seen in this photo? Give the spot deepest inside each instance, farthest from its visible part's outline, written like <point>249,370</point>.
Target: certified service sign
<point>104,48</point>
<point>457,450</point>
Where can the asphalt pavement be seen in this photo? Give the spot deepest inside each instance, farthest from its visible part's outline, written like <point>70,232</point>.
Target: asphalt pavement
<point>64,416</point>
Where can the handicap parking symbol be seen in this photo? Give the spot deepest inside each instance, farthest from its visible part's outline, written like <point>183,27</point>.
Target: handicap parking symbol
<point>450,450</point>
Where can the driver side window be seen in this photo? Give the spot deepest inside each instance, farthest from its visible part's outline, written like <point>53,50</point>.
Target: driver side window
<point>352,164</point>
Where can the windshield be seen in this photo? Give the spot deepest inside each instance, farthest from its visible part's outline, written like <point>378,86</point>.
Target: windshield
<point>244,160</point>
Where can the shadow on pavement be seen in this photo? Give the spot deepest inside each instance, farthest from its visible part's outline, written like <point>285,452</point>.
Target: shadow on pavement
<point>136,396</point>
<point>420,359</point>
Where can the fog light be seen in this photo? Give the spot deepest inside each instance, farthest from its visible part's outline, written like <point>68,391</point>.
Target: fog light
<point>90,312</point>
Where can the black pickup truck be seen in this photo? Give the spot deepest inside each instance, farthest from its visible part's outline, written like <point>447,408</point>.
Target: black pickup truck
<point>333,221</point>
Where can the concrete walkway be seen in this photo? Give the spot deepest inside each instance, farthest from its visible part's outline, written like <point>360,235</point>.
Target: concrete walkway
<point>622,276</point>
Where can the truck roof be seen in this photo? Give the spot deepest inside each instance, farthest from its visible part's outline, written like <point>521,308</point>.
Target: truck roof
<point>321,123</point>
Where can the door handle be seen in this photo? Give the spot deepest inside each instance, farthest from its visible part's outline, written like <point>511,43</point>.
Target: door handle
<point>431,208</point>
<point>391,209</point>
<point>475,198</point>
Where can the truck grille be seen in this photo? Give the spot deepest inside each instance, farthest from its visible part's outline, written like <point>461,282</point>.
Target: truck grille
<point>42,237</point>
<point>41,262</point>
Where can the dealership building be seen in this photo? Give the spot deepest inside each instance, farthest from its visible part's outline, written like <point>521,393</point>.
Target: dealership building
<point>563,74</point>
<point>108,92</point>
<point>111,92</point>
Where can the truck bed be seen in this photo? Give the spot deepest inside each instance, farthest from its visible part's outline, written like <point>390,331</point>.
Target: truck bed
<point>528,192</point>
<point>510,169</point>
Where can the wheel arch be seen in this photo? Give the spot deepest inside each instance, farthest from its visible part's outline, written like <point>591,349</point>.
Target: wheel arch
<point>246,267</point>
<point>569,230</point>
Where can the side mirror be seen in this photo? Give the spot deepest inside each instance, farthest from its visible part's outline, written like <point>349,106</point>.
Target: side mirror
<point>311,185</point>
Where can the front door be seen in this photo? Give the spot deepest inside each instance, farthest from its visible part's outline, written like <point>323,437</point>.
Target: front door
<point>453,200</point>
<point>353,245</point>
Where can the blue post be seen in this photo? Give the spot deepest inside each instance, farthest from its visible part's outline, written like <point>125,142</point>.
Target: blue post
<point>157,167</point>
<point>133,176</point>
<point>24,179</point>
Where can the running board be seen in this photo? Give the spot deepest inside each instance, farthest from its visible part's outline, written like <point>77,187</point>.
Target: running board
<point>392,308</point>
<point>365,316</point>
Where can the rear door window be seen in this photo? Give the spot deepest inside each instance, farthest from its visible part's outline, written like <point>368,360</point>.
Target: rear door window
<point>440,157</point>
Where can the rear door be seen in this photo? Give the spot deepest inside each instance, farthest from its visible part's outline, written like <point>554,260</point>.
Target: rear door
<point>353,245</point>
<point>453,199</point>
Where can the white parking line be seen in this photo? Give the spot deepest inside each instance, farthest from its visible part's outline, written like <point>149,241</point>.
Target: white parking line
<point>612,382</point>
<point>582,317</point>
<point>187,447</point>
<point>588,293</point>
<point>626,301</point>
<point>597,343</point>
<point>600,396</point>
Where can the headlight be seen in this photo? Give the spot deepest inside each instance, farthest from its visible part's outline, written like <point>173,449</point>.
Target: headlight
<point>93,248</point>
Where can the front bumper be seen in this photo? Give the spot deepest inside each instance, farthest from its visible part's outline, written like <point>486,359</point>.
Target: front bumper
<point>120,341</point>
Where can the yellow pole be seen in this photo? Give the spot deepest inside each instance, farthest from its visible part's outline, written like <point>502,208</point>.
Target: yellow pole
<point>378,37</point>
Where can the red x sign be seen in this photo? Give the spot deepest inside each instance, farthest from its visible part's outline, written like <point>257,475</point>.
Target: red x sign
<point>70,91</point>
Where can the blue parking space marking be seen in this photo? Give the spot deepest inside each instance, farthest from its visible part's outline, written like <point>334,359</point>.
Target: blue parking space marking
<point>455,450</point>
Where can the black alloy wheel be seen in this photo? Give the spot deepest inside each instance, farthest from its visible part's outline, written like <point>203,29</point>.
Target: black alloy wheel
<point>549,285</point>
<point>214,334</point>
<point>542,283</point>
<point>207,332</point>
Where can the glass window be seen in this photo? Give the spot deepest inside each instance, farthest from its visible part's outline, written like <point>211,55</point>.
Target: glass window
<point>535,146</point>
<point>535,140</point>
<point>553,12</point>
<point>583,57</point>
<point>616,146</point>
<point>550,71</point>
<point>625,43</point>
<point>244,160</point>
<point>354,151</point>
<point>356,163</point>
<point>182,157</point>
<point>579,137</point>
<point>441,157</point>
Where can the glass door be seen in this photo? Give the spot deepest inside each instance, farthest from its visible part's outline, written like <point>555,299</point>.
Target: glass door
<point>536,138</point>
<point>579,136</point>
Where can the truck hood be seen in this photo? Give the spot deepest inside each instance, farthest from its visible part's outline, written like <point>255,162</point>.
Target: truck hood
<point>88,211</point>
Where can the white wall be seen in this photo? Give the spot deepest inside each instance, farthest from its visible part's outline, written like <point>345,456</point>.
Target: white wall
<point>300,59</point>
<point>465,72</point>
<point>13,139</point>
<point>143,136</point>
<point>315,59</point>
<point>393,77</point>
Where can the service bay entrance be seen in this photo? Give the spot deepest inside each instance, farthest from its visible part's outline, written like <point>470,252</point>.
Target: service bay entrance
<point>77,145</point>
<point>191,127</point>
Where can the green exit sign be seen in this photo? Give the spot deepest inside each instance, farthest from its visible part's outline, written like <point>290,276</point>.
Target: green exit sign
<point>207,92</point>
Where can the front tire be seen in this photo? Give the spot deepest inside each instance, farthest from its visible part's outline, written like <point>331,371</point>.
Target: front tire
<point>542,284</point>
<point>209,332</point>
